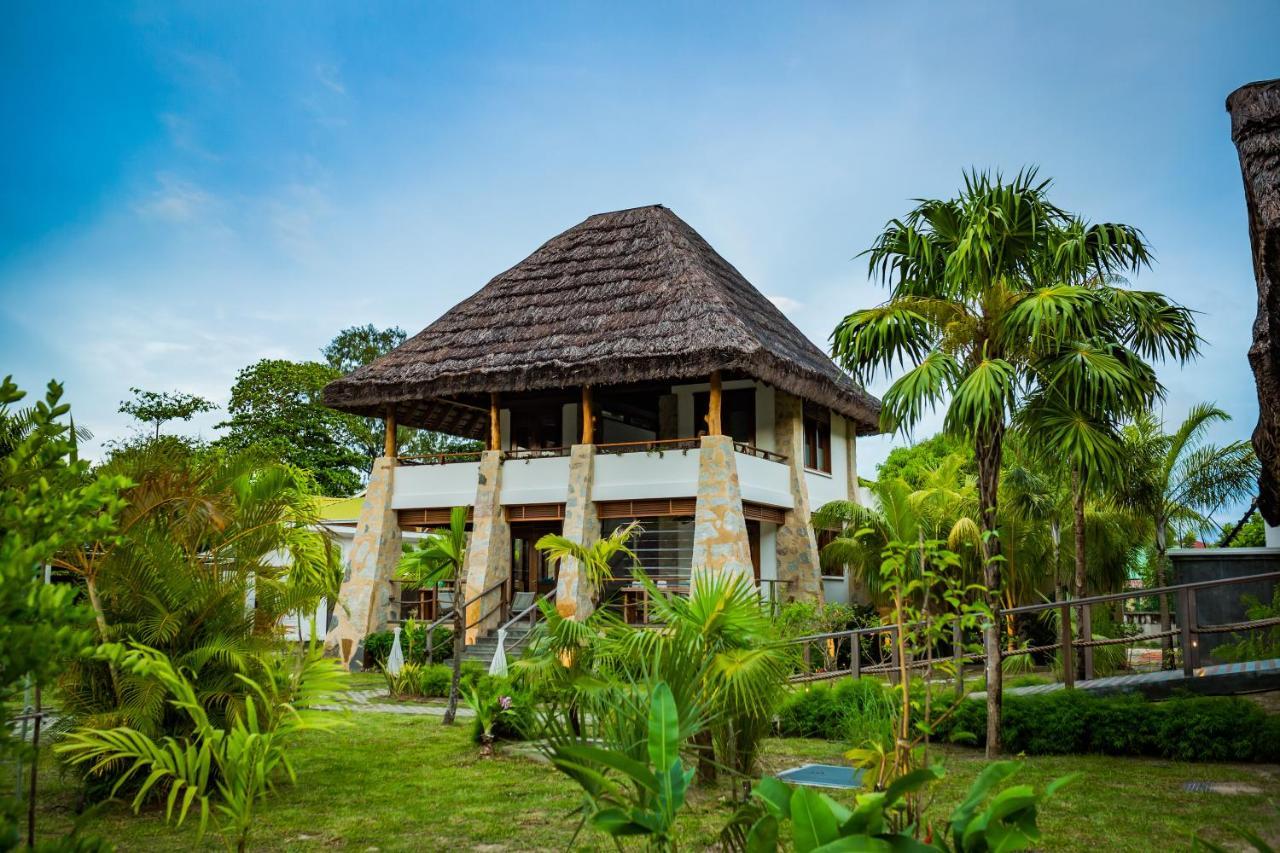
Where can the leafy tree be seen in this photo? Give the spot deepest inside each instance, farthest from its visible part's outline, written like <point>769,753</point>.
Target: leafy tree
<point>357,346</point>
<point>440,559</point>
<point>596,560</point>
<point>1179,481</point>
<point>159,407</point>
<point>915,463</point>
<point>48,500</point>
<point>275,407</point>
<point>987,308</point>
<point>1251,532</point>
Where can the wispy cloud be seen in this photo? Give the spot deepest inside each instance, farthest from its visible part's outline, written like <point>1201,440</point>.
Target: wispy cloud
<point>785,304</point>
<point>174,200</point>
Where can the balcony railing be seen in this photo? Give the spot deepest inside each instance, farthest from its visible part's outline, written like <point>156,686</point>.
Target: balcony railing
<point>656,445</point>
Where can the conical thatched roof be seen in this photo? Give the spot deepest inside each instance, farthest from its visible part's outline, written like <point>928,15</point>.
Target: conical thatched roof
<point>625,297</point>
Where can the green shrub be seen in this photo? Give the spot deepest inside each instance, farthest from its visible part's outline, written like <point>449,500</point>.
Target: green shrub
<point>413,643</point>
<point>433,680</point>
<point>855,711</point>
<point>518,722</point>
<point>1198,728</point>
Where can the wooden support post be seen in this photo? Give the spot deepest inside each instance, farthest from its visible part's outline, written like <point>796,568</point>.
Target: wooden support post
<point>957,656</point>
<point>588,416</point>
<point>1184,631</point>
<point>1086,635</point>
<point>1068,665</point>
<point>713,405</point>
<point>389,443</point>
<point>495,422</point>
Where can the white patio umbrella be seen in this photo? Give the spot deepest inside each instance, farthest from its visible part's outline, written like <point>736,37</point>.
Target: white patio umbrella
<point>499,664</point>
<point>395,660</point>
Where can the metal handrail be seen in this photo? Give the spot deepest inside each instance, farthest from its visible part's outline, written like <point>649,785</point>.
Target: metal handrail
<point>534,609</point>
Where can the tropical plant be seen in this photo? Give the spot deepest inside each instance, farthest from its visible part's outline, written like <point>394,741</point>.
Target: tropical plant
<point>632,786</point>
<point>717,650</point>
<point>213,549</point>
<point>223,769</point>
<point>1179,481</point>
<point>48,499</point>
<point>489,710</point>
<point>991,305</point>
<point>595,561</point>
<point>1260,643</point>
<point>440,560</point>
<point>563,659</point>
<point>980,823</point>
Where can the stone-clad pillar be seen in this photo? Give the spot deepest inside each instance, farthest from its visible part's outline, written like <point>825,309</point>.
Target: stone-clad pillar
<point>797,547</point>
<point>367,593</point>
<point>489,550</point>
<point>720,541</point>
<point>581,524</point>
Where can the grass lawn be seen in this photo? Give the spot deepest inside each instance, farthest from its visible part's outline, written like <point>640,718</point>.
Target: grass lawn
<point>394,782</point>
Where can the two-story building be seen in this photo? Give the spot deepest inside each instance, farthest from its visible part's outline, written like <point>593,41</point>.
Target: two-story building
<point>623,371</point>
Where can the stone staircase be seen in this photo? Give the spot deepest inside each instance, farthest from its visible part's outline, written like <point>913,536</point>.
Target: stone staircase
<point>483,648</point>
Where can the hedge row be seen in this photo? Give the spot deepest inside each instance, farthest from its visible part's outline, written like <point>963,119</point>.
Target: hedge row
<point>1194,728</point>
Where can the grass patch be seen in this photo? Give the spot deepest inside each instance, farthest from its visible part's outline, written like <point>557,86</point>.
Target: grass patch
<point>407,783</point>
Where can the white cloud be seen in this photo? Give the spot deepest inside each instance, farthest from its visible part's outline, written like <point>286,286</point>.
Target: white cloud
<point>174,200</point>
<point>785,304</point>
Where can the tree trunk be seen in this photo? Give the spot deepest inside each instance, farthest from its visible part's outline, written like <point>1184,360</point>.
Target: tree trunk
<point>100,617</point>
<point>459,643</point>
<point>988,450</point>
<point>1055,539</point>
<point>1077,505</point>
<point>1166,621</point>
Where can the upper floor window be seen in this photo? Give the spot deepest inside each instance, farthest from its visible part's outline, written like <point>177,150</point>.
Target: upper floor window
<point>817,438</point>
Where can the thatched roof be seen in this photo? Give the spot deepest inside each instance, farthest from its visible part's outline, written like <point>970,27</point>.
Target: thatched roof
<point>625,297</point>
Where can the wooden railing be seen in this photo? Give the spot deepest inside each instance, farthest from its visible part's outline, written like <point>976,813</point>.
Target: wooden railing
<point>758,452</point>
<point>653,445</point>
<point>531,614</point>
<point>440,458</point>
<point>501,587</point>
<point>833,647</point>
<point>536,453</point>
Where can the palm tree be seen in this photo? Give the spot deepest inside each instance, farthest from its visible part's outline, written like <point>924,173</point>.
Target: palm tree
<point>718,651</point>
<point>440,558</point>
<point>595,560</point>
<point>1179,481</point>
<point>988,307</point>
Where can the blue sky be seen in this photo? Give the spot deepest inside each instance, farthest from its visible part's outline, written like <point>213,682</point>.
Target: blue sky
<point>187,189</point>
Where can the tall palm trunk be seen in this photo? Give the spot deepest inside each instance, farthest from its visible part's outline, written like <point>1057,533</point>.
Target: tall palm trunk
<point>459,644</point>
<point>100,617</point>
<point>988,448</point>
<point>1077,506</point>
<point>1055,540</point>
<point>1166,620</point>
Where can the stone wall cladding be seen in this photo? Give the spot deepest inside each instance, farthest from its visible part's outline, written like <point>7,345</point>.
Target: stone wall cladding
<point>489,549</point>
<point>720,542</point>
<point>367,593</point>
<point>797,548</point>
<point>581,524</point>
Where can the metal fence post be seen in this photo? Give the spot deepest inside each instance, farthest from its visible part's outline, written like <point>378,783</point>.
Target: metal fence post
<point>1193,628</point>
<point>1184,631</point>
<point>855,656</point>
<point>1086,635</point>
<point>1068,665</point>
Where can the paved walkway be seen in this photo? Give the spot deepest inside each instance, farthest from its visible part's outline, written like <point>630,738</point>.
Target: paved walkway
<point>362,701</point>
<point>1218,679</point>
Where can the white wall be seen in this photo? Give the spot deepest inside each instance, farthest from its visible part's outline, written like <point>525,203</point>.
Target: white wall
<point>534,481</point>
<point>764,481</point>
<point>416,486</point>
<point>637,476</point>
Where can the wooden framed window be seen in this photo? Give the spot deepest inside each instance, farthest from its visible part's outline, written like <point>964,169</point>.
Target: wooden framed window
<point>817,438</point>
